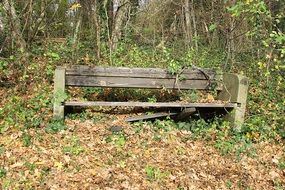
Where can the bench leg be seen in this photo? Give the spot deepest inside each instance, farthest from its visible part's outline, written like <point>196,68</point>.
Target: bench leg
<point>59,93</point>
<point>235,91</point>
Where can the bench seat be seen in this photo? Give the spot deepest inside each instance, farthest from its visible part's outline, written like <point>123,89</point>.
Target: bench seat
<point>151,104</point>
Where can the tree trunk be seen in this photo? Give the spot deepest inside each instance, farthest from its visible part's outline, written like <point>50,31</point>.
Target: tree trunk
<point>1,25</point>
<point>119,20</point>
<point>15,25</point>
<point>214,37</point>
<point>110,14</point>
<point>38,22</point>
<point>76,36</point>
<point>134,6</point>
<point>230,45</point>
<point>27,17</point>
<point>96,26</point>
<point>188,26</point>
<point>194,25</point>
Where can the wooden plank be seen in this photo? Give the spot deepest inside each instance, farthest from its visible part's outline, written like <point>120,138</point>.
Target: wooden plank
<point>118,82</point>
<point>59,89</point>
<point>150,104</point>
<point>185,113</point>
<point>137,72</point>
<point>151,116</point>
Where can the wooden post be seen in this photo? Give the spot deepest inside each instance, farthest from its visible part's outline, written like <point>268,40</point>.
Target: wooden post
<point>235,91</point>
<point>59,93</point>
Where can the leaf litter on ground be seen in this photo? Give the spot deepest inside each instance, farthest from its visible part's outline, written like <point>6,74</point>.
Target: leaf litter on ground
<point>80,157</point>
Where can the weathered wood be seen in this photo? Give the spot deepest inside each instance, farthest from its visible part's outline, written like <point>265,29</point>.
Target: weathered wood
<point>235,90</point>
<point>234,87</point>
<point>121,82</point>
<point>150,104</point>
<point>139,72</point>
<point>59,89</point>
<point>151,116</point>
<point>185,113</point>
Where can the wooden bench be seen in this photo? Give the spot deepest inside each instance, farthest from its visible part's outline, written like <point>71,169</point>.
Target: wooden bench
<point>232,88</point>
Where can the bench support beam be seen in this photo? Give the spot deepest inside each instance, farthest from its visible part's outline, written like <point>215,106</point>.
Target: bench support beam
<point>59,93</point>
<point>235,91</point>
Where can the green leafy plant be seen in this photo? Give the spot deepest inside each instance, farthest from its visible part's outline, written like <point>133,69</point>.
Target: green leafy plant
<point>3,67</point>
<point>281,164</point>
<point>229,184</point>
<point>2,150</point>
<point>89,91</point>
<point>53,56</point>
<point>225,146</point>
<point>174,68</point>
<point>152,99</point>
<point>138,126</point>
<point>118,139</point>
<point>154,173</point>
<point>27,139</point>
<point>165,125</point>
<point>212,27</point>
<point>75,147</point>
<point>3,172</point>
<point>55,125</point>
<point>30,166</point>
<point>189,96</point>
<point>59,97</point>
<point>6,184</point>
<point>50,71</point>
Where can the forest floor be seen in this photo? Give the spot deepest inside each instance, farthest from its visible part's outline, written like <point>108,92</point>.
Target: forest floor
<point>87,155</point>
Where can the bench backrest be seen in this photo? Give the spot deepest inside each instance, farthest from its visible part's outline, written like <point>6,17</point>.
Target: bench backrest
<point>152,78</point>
